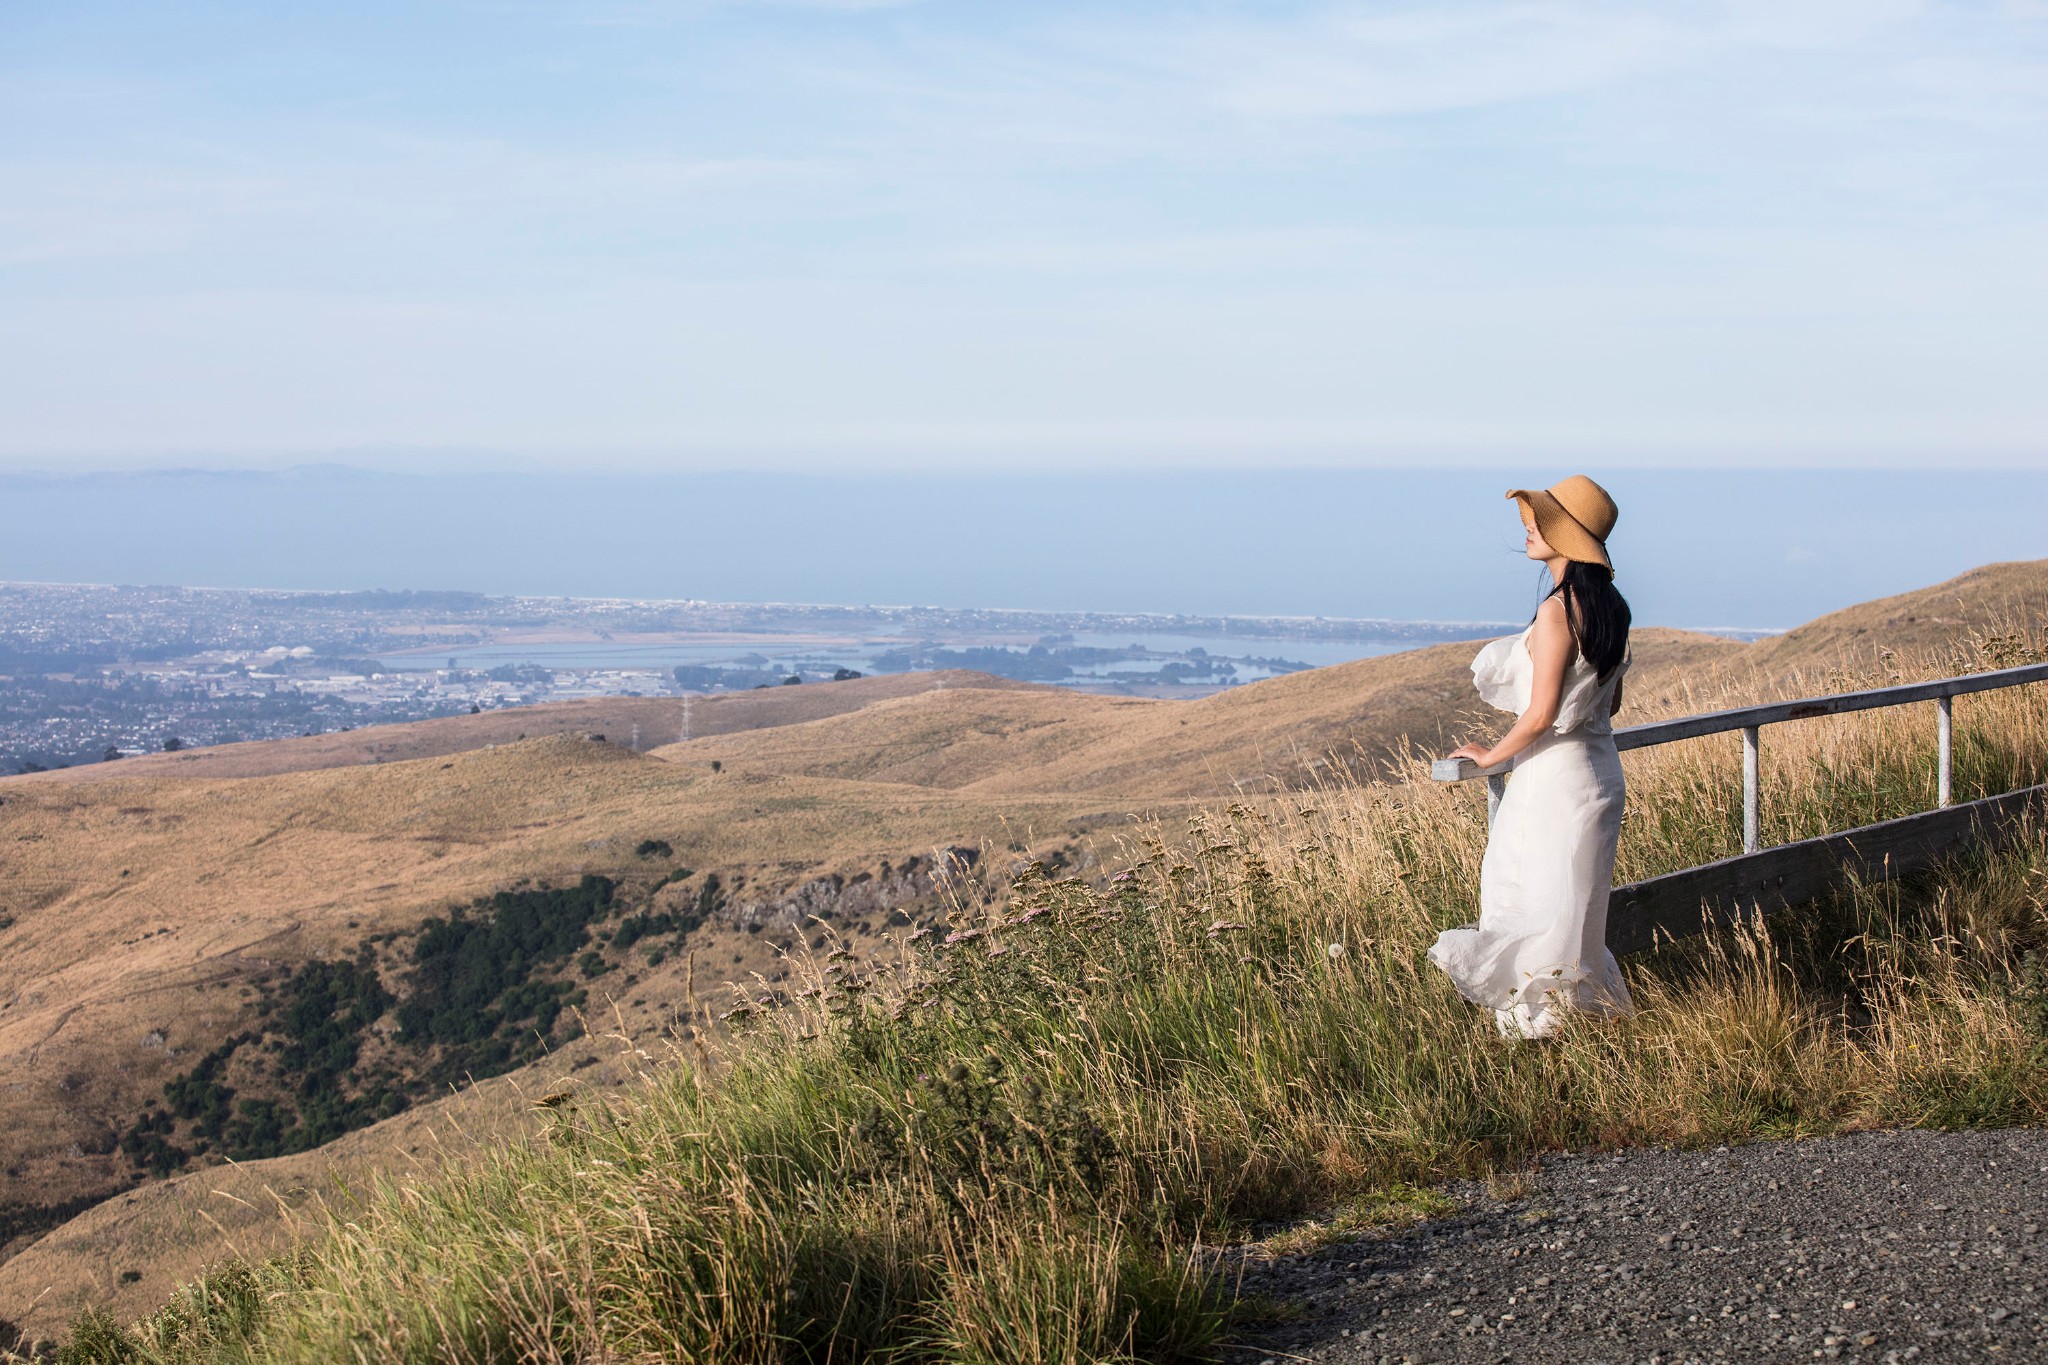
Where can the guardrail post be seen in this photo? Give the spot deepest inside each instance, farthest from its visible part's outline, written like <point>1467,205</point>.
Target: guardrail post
<point>1750,842</point>
<point>1944,711</point>
<point>1496,788</point>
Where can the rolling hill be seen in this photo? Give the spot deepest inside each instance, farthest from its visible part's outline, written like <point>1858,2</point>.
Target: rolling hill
<point>1995,596</point>
<point>1273,735</point>
<point>658,719</point>
<point>159,909</point>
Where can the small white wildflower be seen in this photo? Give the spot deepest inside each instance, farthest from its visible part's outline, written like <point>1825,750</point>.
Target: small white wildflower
<point>1336,950</point>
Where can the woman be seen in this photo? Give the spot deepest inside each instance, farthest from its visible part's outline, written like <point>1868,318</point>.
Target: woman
<point>1540,947</point>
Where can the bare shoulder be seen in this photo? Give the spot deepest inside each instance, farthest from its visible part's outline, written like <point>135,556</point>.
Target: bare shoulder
<point>1553,631</point>
<point>1551,620</point>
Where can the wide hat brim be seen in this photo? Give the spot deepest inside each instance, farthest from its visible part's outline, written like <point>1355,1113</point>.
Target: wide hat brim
<point>1564,531</point>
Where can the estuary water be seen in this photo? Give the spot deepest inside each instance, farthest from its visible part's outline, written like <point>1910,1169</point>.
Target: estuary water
<point>1087,659</point>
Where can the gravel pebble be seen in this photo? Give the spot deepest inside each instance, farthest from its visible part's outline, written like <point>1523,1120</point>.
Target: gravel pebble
<point>1880,1247</point>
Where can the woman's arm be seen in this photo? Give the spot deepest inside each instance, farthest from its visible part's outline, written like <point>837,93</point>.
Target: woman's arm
<point>1550,650</point>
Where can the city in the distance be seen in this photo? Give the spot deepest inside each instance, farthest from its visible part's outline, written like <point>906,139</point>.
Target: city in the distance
<point>94,673</point>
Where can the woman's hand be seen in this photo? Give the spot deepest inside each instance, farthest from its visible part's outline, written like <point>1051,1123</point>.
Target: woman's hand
<point>1476,752</point>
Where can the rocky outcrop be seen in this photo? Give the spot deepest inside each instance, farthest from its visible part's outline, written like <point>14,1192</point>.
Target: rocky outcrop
<point>862,896</point>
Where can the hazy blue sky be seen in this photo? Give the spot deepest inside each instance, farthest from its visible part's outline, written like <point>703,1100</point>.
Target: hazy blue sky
<point>845,235</point>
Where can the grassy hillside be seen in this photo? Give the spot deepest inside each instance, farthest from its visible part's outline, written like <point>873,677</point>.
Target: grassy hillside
<point>1010,1150</point>
<point>1273,735</point>
<point>659,720</point>
<point>130,1252</point>
<point>154,916</point>
<point>2014,595</point>
<point>147,921</point>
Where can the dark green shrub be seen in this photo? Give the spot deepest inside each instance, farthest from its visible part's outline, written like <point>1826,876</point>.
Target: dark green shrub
<point>464,964</point>
<point>326,1009</point>
<point>470,998</point>
<point>97,1339</point>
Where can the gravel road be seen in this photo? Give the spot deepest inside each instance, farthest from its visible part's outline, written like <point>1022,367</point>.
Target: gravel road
<point>1894,1246</point>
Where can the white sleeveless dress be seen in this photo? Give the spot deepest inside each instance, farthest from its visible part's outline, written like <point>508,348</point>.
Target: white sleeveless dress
<point>1540,946</point>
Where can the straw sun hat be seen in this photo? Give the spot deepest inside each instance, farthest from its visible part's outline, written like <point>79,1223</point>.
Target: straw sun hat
<point>1575,516</point>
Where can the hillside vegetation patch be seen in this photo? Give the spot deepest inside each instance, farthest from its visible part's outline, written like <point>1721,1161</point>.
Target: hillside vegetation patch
<point>338,1044</point>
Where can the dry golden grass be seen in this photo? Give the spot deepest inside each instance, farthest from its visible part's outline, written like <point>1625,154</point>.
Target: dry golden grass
<point>660,721</point>
<point>295,863</point>
<point>1918,622</point>
<point>143,906</point>
<point>128,1253</point>
<point>1008,1150</point>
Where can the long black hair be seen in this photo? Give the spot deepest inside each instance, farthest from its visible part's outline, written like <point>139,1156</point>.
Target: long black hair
<point>1597,613</point>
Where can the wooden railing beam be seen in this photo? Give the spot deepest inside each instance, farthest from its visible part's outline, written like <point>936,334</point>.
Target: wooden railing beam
<point>1679,904</point>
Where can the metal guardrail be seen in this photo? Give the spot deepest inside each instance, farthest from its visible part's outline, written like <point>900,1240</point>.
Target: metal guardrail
<point>1690,900</point>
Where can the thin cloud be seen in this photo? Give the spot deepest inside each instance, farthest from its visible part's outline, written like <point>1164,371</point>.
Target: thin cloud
<point>963,231</point>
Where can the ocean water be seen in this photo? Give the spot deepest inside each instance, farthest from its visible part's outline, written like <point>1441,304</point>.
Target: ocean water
<point>1755,548</point>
